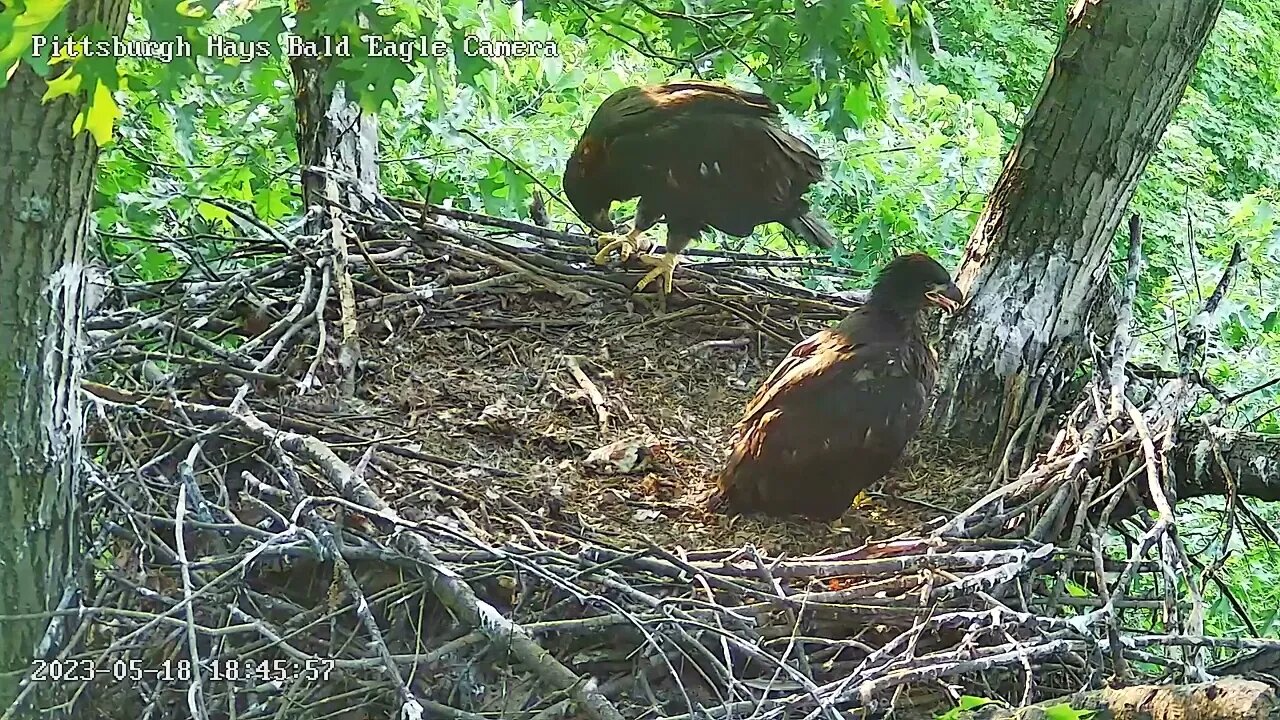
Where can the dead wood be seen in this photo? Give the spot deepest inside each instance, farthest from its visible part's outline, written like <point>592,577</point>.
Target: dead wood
<point>1226,699</point>
<point>502,520</point>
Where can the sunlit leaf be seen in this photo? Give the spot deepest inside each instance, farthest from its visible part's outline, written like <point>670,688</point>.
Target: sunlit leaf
<point>101,114</point>
<point>19,24</point>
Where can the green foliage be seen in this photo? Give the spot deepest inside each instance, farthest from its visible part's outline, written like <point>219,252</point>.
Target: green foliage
<point>995,53</point>
<point>1063,711</point>
<point>1060,711</point>
<point>913,106</point>
<point>1214,177</point>
<point>19,23</point>
<point>826,55</point>
<point>1212,184</point>
<point>966,703</point>
<point>912,147</point>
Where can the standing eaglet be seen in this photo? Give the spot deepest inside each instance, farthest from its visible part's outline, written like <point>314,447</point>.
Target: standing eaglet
<point>836,414</point>
<point>699,154</point>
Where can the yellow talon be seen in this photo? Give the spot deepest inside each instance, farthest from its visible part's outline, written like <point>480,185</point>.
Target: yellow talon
<point>664,266</point>
<point>627,245</point>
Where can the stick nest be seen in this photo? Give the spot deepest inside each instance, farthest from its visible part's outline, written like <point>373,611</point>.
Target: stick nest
<point>452,469</point>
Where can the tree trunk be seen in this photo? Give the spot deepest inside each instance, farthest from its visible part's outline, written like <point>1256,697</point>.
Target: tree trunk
<point>334,133</point>
<point>1040,251</point>
<point>46,182</point>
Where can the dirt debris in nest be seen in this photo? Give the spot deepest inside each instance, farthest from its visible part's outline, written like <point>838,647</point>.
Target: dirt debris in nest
<point>652,399</point>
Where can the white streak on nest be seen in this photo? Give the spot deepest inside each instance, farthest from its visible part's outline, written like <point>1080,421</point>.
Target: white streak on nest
<point>411,710</point>
<point>1262,464</point>
<point>1200,454</point>
<point>491,621</point>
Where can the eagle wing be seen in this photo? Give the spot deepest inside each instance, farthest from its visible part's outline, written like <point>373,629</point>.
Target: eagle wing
<point>831,419</point>
<point>712,163</point>
<point>810,358</point>
<point>637,110</point>
<point>701,154</point>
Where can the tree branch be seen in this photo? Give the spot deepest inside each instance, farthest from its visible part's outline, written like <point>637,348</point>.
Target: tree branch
<point>1252,460</point>
<point>1226,699</point>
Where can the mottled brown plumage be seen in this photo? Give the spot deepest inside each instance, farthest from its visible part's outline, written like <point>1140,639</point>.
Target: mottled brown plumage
<point>699,154</point>
<point>836,414</point>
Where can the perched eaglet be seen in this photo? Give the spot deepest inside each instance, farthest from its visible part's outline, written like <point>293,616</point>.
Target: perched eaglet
<point>837,413</point>
<point>699,154</point>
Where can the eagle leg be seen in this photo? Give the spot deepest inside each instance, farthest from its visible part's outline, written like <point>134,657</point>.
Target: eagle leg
<point>664,266</point>
<point>626,245</point>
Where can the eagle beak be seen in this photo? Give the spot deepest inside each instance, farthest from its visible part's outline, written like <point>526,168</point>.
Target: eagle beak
<point>948,297</point>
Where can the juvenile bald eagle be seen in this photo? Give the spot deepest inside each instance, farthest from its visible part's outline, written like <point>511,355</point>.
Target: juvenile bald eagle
<point>700,154</point>
<point>836,414</point>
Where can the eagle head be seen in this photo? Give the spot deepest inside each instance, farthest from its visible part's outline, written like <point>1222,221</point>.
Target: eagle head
<point>909,282</point>
<point>584,192</point>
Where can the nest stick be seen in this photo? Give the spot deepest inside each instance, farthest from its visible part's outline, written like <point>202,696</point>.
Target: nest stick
<point>592,392</point>
<point>447,586</point>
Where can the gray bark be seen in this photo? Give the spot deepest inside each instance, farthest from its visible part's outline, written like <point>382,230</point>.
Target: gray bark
<point>1252,462</point>
<point>46,182</point>
<point>1039,253</point>
<point>333,132</point>
<point>336,134</point>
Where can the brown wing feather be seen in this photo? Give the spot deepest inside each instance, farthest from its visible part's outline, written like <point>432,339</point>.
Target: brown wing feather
<point>830,420</point>
<point>729,172</point>
<point>710,96</point>
<point>700,154</point>
<point>630,108</point>
<point>811,357</point>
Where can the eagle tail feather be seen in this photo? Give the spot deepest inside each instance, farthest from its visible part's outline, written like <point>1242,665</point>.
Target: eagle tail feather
<point>809,228</point>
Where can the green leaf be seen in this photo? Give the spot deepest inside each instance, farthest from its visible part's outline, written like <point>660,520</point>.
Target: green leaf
<point>265,23</point>
<point>1271,324</point>
<point>99,116</point>
<point>378,82</point>
<point>803,96</point>
<point>213,214</point>
<point>68,83</point>
<point>271,203</point>
<point>1075,589</point>
<point>154,264</point>
<point>966,703</point>
<point>569,80</point>
<point>329,17</point>
<point>1064,711</point>
<point>168,19</point>
<point>19,24</point>
<point>858,103</point>
<point>970,702</point>
<point>877,29</point>
<point>469,66</point>
<point>184,130</point>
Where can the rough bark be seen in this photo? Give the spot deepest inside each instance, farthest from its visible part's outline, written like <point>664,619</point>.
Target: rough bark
<point>1252,462</point>
<point>46,181</point>
<point>1040,251</point>
<point>1226,699</point>
<point>336,134</point>
<point>333,132</point>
